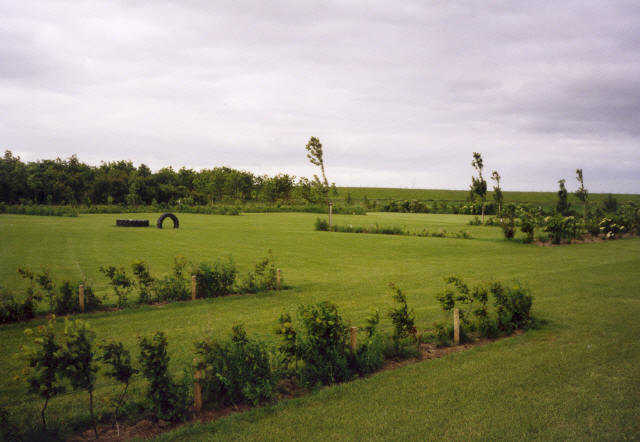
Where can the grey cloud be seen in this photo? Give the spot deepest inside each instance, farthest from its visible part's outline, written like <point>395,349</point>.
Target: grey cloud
<point>405,91</point>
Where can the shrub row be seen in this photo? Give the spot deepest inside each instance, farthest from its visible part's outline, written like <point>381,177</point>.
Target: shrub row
<point>314,350</point>
<point>62,300</point>
<point>212,279</point>
<point>323,225</point>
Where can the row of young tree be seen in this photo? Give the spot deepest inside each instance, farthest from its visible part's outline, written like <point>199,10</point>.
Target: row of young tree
<point>314,349</point>
<point>73,182</point>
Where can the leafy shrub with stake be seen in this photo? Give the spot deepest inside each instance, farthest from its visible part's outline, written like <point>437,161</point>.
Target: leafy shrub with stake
<point>217,279</point>
<point>43,374</point>
<point>77,360</point>
<point>236,372</point>
<point>169,399</point>
<point>512,309</point>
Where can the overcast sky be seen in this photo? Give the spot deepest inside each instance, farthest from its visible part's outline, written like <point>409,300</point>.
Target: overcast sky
<point>399,93</point>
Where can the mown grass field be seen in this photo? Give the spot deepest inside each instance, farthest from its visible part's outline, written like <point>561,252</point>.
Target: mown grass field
<point>545,199</point>
<point>576,378</point>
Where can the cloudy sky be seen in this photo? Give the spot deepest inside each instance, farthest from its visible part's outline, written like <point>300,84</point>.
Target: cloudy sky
<point>399,93</point>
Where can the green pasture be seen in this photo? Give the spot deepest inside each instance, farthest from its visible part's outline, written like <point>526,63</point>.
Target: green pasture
<point>578,377</point>
<point>546,199</point>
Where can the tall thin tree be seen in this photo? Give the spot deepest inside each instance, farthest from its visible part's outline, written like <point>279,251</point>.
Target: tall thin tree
<point>497,192</point>
<point>582,193</point>
<point>479,185</point>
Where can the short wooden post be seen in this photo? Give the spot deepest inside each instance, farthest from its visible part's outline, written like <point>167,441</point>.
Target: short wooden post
<point>197,391</point>
<point>81,297</point>
<point>278,278</point>
<point>456,326</point>
<point>354,338</point>
<point>330,213</point>
<point>193,287</point>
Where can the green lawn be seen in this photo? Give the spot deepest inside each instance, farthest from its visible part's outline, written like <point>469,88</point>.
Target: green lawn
<point>578,377</point>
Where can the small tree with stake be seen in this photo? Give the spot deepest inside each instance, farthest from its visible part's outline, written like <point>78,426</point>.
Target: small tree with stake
<point>78,361</point>
<point>497,192</point>
<point>478,185</point>
<point>118,360</point>
<point>43,358</point>
<point>582,193</point>
<point>315,156</point>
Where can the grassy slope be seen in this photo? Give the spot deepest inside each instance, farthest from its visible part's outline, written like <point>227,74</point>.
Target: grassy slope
<point>577,378</point>
<point>536,198</point>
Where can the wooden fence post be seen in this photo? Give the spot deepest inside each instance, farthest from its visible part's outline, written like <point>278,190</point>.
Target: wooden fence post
<point>456,326</point>
<point>330,213</point>
<point>354,338</point>
<point>197,390</point>
<point>81,297</point>
<point>278,278</point>
<point>193,287</point>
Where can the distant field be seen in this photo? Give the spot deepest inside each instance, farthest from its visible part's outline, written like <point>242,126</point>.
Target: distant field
<point>537,198</point>
<point>576,378</point>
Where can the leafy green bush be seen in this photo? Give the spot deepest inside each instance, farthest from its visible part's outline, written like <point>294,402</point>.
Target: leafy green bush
<point>120,282</point>
<point>145,282</point>
<point>12,310</point>
<point>528,226</point>
<point>263,277</point>
<point>217,279</point>
<point>169,399</point>
<point>322,225</point>
<point>77,360</point>
<point>323,345</point>
<point>174,287</point>
<point>236,372</point>
<point>476,221</point>
<point>43,372</point>
<point>513,306</point>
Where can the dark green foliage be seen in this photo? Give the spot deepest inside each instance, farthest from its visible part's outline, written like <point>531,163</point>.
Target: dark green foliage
<point>528,226</point>
<point>322,224</point>
<point>323,345</point>
<point>561,228</point>
<point>118,366</point>
<point>43,279</point>
<point>237,371</point>
<point>120,282</point>
<point>77,360</point>
<point>562,207</point>
<point>43,375</point>
<point>145,282</point>
<point>370,355</point>
<point>217,279</point>
<point>512,308</point>
<point>66,302</point>
<point>174,287</point>
<point>263,277</point>
<point>610,204</point>
<point>402,319</point>
<point>12,310</point>
<point>8,431</point>
<point>169,399</point>
<point>289,345</point>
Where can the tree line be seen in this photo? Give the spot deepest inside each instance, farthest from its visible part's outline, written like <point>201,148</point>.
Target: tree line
<point>70,181</point>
